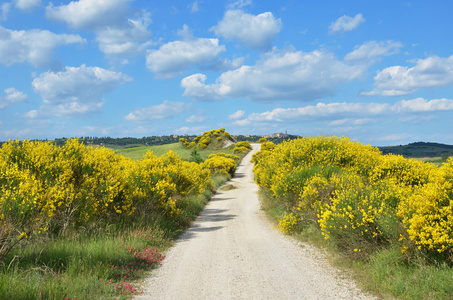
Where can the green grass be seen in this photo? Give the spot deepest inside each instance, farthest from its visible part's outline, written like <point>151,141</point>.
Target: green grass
<point>138,152</point>
<point>387,274</point>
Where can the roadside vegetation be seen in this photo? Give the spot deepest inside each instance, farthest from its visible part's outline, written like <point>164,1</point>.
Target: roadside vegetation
<point>83,222</point>
<point>387,217</point>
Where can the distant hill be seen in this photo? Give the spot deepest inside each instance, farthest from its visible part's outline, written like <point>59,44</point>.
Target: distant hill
<point>420,149</point>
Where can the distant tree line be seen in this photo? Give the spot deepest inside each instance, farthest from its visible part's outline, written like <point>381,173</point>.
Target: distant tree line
<point>129,142</point>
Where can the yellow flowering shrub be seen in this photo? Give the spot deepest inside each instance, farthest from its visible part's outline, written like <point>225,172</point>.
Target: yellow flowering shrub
<point>288,223</point>
<point>220,163</point>
<point>45,187</point>
<point>160,180</point>
<point>359,198</point>
<point>206,139</point>
<point>427,213</point>
<point>238,150</point>
<point>232,156</point>
<point>244,144</point>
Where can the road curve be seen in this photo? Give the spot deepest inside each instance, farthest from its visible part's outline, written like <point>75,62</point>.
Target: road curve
<point>233,252</point>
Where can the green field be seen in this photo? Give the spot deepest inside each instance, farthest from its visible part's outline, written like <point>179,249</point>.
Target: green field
<point>138,152</point>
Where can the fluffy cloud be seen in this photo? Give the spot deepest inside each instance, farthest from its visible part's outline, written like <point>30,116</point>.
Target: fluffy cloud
<point>237,115</point>
<point>173,58</point>
<point>255,32</point>
<point>27,4</point>
<point>341,113</point>
<point>166,110</point>
<point>422,105</point>
<point>88,14</point>
<point>76,91</point>
<point>278,76</point>
<point>117,34</point>
<point>33,46</point>
<point>431,72</point>
<point>12,96</point>
<point>125,40</point>
<point>373,49</point>
<point>346,23</point>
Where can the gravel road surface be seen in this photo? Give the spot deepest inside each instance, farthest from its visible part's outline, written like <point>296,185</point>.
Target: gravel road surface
<point>233,252</point>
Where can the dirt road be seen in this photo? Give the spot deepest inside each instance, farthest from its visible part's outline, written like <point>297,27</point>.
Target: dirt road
<point>233,252</point>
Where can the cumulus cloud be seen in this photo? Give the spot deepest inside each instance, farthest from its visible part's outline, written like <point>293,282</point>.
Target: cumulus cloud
<point>423,105</point>
<point>173,58</point>
<point>27,4</point>
<point>12,96</point>
<point>255,32</point>
<point>372,50</point>
<point>341,113</point>
<point>237,115</point>
<point>166,110</point>
<point>117,34</point>
<point>292,75</point>
<point>125,40</point>
<point>196,119</point>
<point>76,91</point>
<point>431,72</point>
<point>346,23</point>
<point>88,14</point>
<point>33,46</point>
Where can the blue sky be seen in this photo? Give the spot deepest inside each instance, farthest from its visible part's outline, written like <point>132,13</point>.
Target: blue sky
<point>380,72</point>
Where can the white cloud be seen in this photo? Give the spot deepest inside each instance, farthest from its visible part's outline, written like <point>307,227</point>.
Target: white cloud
<point>373,49</point>
<point>73,109</point>
<point>4,9</point>
<point>347,121</point>
<point>239,4</point>
<point>255,32</point>
<point>191,130</point>
<point>117,34</point>
<point>88,14</point>
<point>346,23</point>
<point>196,119</point>
<point>422,105</point>
<point>431,72</point>
<point>173,58</point>
<point>27,4</point>
<point>166,110</point>
<point>194,7</point>
<point>224,65</point>
<point>32,114</point>
<point>395,137</point>
<point>76,91</point>
<point>130,39</point>
<point>33,46</point>
<point>343,113</point>
<point>278,76</point>
<point>237,115</point>
<point>12,96</point>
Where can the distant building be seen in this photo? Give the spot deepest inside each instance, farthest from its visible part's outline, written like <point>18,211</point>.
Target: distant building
<point>276,135</point>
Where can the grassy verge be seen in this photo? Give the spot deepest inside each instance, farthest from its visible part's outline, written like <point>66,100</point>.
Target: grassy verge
<point>96,263</point>
<point>386,273</point>
<point>138,152</point>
